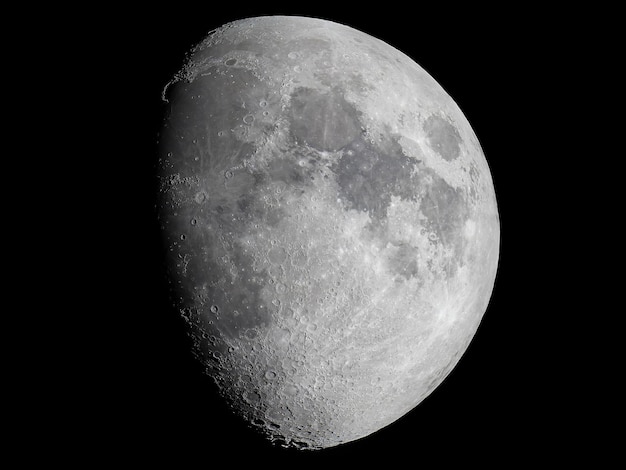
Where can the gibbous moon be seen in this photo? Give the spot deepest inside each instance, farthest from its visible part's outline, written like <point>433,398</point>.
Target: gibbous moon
<point>330,224</point>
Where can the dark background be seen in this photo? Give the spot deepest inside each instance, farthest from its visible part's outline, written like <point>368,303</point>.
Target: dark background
<point>146,400</point>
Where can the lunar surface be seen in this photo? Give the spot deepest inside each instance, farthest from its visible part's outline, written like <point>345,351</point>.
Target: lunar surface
<point>330,224</point>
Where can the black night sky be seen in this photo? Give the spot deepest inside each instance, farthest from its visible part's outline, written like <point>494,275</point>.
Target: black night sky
<point>150,402</point>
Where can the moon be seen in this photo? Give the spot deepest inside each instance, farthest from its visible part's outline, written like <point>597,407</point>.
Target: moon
<point>330,225</point>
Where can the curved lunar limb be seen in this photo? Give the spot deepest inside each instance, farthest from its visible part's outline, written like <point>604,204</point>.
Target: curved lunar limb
<point>331,226</point>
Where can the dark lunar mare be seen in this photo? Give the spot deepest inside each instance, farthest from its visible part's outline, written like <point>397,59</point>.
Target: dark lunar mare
<point>207,200</point>
<point>442,137</point>
<point>371,171</point>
